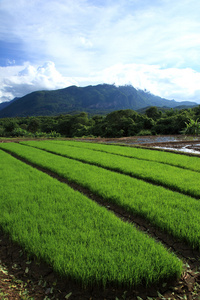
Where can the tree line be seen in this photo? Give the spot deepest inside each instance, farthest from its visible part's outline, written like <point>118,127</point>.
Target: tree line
<point>121,123</point>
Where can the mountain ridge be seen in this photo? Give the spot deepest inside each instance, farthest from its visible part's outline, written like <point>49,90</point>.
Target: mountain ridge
<point>92,99</point>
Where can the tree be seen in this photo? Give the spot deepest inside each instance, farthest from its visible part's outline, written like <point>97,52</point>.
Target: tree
<point>9,127</point>
<point>34,125</point>
<point>193,127</point>
<point>152,112</point>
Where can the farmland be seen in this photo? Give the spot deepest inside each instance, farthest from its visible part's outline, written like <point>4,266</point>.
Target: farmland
<point>187,162</point>
<point>182,180</point>
<point>83,241</point>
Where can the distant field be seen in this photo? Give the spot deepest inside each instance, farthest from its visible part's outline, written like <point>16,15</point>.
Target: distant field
<point>176,177</point>
<point>183,161</point>
<point>84,241</point>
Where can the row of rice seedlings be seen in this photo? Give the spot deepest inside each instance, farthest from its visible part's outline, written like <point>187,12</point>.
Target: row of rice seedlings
<point>175,213</point>
<point>181,180</point>
<point>174,159</point>
<point>80,239</point>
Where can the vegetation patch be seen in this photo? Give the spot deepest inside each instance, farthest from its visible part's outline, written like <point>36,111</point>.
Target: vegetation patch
<point>97,122</point>
<point>182,161</point>
<point>74,235</point>
<point>174,213</point>
<point>179,179</point>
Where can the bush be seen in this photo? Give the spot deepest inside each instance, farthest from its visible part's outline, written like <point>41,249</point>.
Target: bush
<point>54,134</point>
<point>193,127</point>
<point>21,132</point>
<point>2,131</point>
<point>145,132</point>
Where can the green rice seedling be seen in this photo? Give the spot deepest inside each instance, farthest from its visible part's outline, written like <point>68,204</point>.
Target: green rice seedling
<point>79,239</point>
<point>174,213</point>
<point>174,159</point>
<point>181,180</point>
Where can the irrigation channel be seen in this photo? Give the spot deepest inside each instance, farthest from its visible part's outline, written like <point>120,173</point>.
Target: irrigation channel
<point>40,282</point>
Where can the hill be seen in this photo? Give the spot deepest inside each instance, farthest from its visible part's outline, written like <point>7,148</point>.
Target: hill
<point>102,98</point>
<point>7,103</point>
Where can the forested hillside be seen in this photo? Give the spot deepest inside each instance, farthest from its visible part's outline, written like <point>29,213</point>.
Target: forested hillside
<point>121,123</point>
<point>99,99</point>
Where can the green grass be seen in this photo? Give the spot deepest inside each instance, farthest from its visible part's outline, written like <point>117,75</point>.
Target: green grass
<point>174,159</point>
<point>174,213</point>
<point>77,237</point>
<point>181,180</point>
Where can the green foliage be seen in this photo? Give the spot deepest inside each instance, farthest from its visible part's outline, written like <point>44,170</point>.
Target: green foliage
<point>173,212</point>
<point>9,127</point>
<point>172,159</point>
<point>172,124</point>
<point>97,125</point>
<point>2,132</point>
<point>53,134</point>
<point>144,132</point>
<point>153,113</point>
<point>21,132</point>
<point>120,123</point>
<point>34,125</point>
<point>78,238</point>
<point>184,181</point>
<point>91,99</point>
<point>193,127</point>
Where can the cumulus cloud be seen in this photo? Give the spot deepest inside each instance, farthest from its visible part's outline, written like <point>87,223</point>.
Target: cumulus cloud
<point>86,35</point>
<point>153,45</point>
<point>17,81</point>
<point>169,83</point>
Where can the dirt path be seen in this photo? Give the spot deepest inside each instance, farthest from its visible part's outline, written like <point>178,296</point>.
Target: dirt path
<point>22,277</point>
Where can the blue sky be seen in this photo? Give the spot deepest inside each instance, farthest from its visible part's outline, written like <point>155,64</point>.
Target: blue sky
<point>153,45</point>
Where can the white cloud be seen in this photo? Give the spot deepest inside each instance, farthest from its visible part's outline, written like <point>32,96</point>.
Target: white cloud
<point>152,44</point>
<point>18,81</point>
<point>82,36</point>
<point>170,83</point>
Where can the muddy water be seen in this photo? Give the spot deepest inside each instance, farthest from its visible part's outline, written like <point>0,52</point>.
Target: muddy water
<point>186,149</point>
<point>187,144</point>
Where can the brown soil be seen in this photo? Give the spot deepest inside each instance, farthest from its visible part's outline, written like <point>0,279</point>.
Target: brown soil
<point>23,277</point>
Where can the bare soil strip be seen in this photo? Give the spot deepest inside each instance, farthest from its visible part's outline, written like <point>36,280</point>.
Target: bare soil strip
<point>39,281</point>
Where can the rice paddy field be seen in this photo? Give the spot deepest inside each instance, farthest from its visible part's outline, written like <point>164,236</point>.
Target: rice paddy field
<point>83,241</point>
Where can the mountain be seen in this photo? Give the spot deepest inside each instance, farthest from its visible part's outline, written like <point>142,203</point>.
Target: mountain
<point>93,99</point>
<point>6,103</point>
